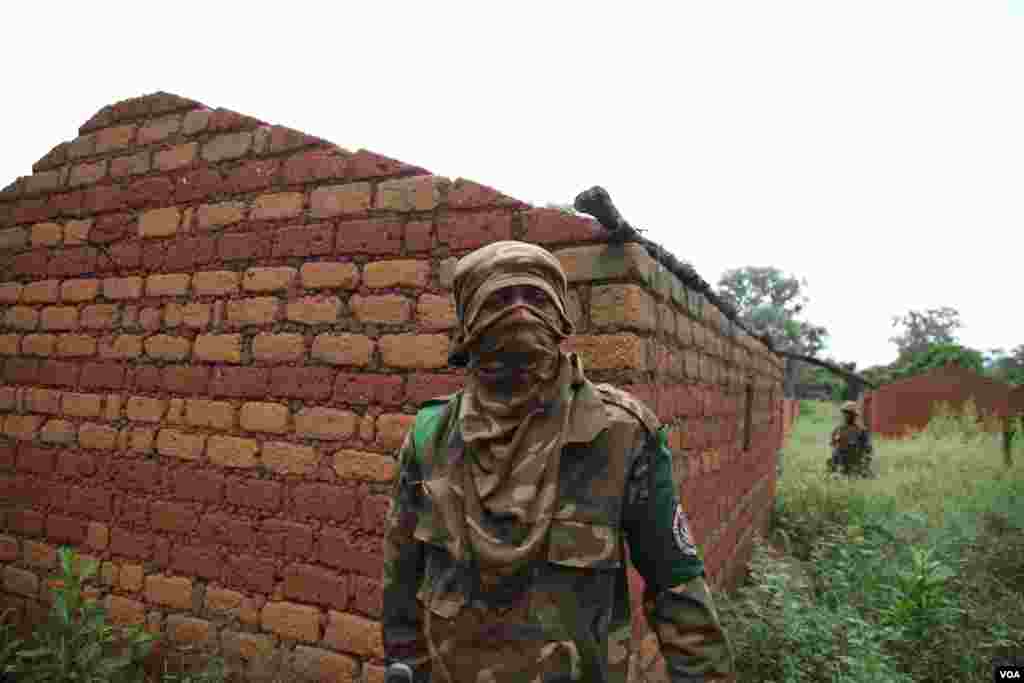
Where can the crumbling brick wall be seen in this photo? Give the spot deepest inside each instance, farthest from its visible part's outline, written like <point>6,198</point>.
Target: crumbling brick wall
<point>213,334</point>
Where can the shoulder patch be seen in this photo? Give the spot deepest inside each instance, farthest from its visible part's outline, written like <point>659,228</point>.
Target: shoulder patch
<point>631,404</point>
<point>681,532</point>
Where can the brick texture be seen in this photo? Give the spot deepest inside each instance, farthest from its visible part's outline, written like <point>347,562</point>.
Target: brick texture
<point>215,333</point>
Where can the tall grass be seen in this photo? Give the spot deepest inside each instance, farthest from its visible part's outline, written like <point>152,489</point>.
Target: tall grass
<point>914,575</point>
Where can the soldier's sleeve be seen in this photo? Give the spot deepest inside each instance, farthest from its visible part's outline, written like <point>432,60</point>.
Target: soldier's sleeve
<point>677,600</point>
<point>403,567</point>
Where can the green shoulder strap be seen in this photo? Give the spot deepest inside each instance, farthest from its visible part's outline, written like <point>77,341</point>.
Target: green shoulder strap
<point>427,420</point>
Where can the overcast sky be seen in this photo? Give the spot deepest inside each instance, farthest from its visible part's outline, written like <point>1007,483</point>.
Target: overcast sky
<point>874,148</point>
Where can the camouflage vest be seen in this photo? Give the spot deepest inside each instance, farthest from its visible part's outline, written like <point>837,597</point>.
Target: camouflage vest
<point>848,439</point>
<point>567,617</point>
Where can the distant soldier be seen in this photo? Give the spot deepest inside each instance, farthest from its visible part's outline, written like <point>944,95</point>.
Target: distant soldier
<point>851,445</point>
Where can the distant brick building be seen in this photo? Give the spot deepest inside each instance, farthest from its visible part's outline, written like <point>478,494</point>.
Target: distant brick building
<point>906,406</point>
<point>213,334</point>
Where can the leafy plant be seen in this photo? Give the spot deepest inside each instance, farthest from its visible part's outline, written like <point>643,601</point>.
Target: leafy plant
<point>76,643</point>
<point>920,602</point>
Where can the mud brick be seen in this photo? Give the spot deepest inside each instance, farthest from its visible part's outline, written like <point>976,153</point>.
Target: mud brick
<point>104,198</point>
<point>136,475</point>
<point>65,529</point>
<point>97,504</point>
<point>204,562</point>
<point>197,183</point>
<point>112,227</point>
<point>285,538</point>
<point>336,549</point>
<point>240,382</point>
<point>246,246</point>
<point>369,237</point>
<point>308,383</point>
<point>76,465</point>
<point>121,256</point>
<point>149,192</point>
<point>146,378</point>
<point>373,510</point>
<point>255,493</point>
<point>547,226</point>
<point>73,261</point>
<point>306,240</point>
<point>198,486</point>
<point>418,236</point>
<point>32,211</point>
<point>103,375</point>
<point>283,139</point>
<point>189,254</point>
<point>367,596</point>
<point>68,203</point>
<point>21,371</point>
<point>31,264</point>
<point>469,231</point>
<point>250,573</point>
<point>126,543</point>
<point>466,194</point>
<point>188,380</point>
<point>366,164</point>
<point>357,388</point>
<point>324,501</point>
<point>26,522</point>
<point>153,255</point>
<point>58,373</point>
<point>252,175</point>
<point>316,585</point>
<point>7,451</point>
<point>219,529</point>
<point>314,165</point>
<point>423,386</point>
<point>174,517</point>
<point>223,120</point>
<point>133,511</point>
<point>32,458</point>
<point>162,552</point>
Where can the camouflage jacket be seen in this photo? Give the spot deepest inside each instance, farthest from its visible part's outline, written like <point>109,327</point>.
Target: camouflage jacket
<point>567,616</point>
<point>851,440</point>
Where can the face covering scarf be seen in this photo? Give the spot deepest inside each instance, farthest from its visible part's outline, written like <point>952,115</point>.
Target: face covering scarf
<point>514,416</point>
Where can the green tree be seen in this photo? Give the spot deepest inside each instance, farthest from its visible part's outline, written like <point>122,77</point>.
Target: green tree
<point>1007,366</point>
<point>939,355</point>
<point>770,302</point>
<point>921,330</point>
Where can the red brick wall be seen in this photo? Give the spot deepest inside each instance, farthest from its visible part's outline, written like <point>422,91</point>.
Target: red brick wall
<point>906,406</point>
<point>213,334</point>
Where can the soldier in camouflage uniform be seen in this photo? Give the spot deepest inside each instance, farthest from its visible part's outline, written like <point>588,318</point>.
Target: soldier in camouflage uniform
<point>851,445</point>
<point>505,543</point>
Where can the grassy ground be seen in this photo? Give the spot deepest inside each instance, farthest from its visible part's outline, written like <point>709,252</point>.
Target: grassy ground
<point>915,575</point>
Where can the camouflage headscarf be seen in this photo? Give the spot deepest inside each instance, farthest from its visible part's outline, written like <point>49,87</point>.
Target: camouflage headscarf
<point>514,437</point>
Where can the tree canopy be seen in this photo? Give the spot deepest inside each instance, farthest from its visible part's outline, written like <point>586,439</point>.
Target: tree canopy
<point>769,302</point>
<point>921,330</point>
